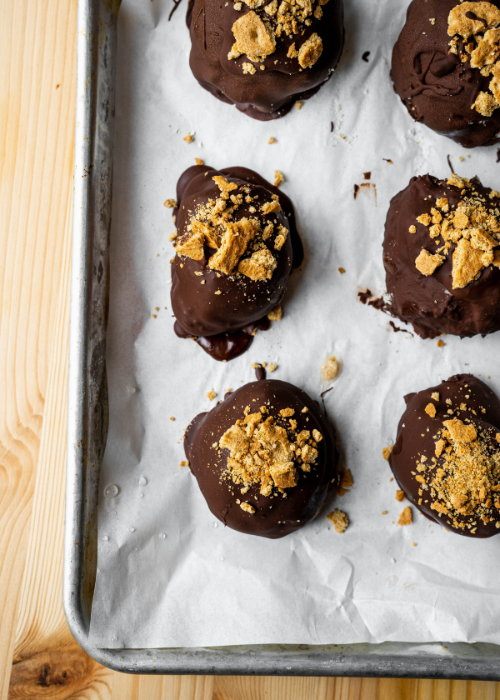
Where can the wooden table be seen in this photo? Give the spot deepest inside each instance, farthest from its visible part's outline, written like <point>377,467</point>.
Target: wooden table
<point>38,657</point>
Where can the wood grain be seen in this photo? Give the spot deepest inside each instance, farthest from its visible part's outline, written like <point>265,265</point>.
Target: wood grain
<point>38,657</point>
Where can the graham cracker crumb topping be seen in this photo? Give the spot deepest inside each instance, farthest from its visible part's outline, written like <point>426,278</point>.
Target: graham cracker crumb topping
<point>256,32</point>
<point>238,243</point>
<point>475,23</point>
<point>471,229</point>
<point>339,520</point>
<point>400,495</point>
<point>268,452</point>
<point>462,478</point>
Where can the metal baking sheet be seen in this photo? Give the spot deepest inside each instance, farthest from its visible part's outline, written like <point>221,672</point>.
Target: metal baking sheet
<point>88,425</point>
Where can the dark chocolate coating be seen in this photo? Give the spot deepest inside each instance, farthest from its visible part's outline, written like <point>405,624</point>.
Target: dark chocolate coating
<point>429,303</point>
<point>274,516</point>
<point>436,88</point>
<point>267,94</point>
<point>224,323</point>
<point>416,436</point>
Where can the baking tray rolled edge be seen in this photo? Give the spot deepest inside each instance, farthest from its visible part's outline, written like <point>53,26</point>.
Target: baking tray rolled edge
<point>87,425</point>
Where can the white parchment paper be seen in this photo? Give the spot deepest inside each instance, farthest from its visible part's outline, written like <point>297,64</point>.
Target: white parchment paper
<point>168,573</point>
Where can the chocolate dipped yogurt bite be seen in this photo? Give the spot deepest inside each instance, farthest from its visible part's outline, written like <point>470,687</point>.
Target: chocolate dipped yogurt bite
<point>236,246</point>
<point>446,68</point>
<point>264,458</point>
<point>442,257</point>
<point>261,55</point>
<point>447,455</point>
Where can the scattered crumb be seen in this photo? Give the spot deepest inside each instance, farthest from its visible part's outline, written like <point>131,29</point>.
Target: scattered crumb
<point>400,495</point>
<point>299,104</point>
<point>247,508</point>
<point>430,409</point>
<point>272,140</point>
<point>276,314</point>
<point>172,236</point>
<point>341,270</point>
<point>278,178</point>
<point>384,512</point>
<point>406,517</point>
<point>414,544</point>
<point>440,343</point>
<point>170,203</point>
<point>153,315</point>
<point>346,480</point>
<point>386,452</point>
<point>189,138</point>
<point>172,418</point>
<point>184,464</point>
<point>339,520</point>
<point>330,369</point>
<point>432,20</point>
<point>199,161</point>
<point>211,395</point>
<point>273,368</point>
<point>435,396</point>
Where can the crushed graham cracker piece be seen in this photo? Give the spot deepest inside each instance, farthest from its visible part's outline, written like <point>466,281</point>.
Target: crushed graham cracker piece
<point>287,412</point>
<point>440,343</point>
<point>346,480</point>
<point>199,161</point>
<point>406,517</point>
<point>299,105</point>
<point>189,138</point>
<point>424,219</point>
<point>248,68</point>
<point>330,369</point>
<point>172,236</point>
<point>427,264</point>
<point>430,409</point>
<point>435,396</point>
<point>183,464</point>
<point>339,520</point>
<point>400,495</point>
<point>457,181</point>
<point>260,266</point>
<point>468,262</point>
<point>247,508</point>
<point>276,314</point>
<point>272,206</point>
<point>272,368</point>
<point>470,18</point>
<point>310,51</point>
<point>272,140</point>
<point>387,451</point>
<point>461,432</point>
<point>485,104</point>
<point>170,203</point>
<point>292,51</point>
<point>211,395</point>
<point>254,36</point>
<point>278,178</point>
<point>413,229</point>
